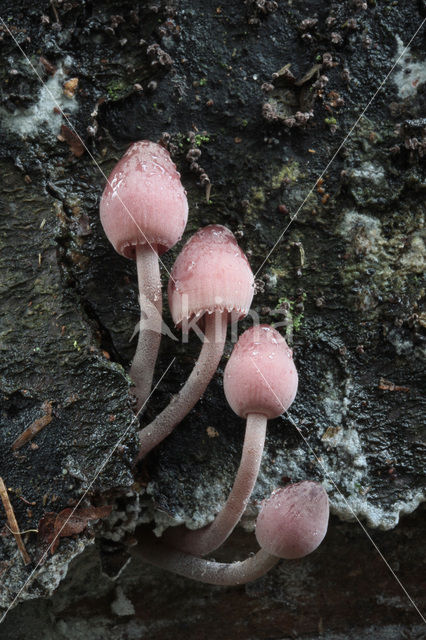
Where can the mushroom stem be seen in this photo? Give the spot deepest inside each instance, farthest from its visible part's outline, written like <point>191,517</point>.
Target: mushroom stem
<point>157,553</point>
<point>205,540</point>
<point>142,369</point>
<point>182,403</point>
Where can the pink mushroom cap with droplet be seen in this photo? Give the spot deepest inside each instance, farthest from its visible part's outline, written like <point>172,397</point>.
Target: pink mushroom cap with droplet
<point>144,201</point>
<point>260,376</point>
<point>293,521</point>
<point>210,274</point>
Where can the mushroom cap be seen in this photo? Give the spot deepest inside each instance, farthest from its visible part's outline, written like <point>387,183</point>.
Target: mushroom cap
<point>210,274</point>
<point>144,200</point>
<point>293,521</point>
<point>260,376</point>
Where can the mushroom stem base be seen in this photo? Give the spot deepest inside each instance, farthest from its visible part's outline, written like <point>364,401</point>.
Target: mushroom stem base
<point>158,554</point>
<point>205,540</point>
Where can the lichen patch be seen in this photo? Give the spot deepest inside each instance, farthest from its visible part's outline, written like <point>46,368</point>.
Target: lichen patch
<point>46,111</point>
<point>410,74</point>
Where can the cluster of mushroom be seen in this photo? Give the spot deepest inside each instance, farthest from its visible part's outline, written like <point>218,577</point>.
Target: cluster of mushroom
<point>144,213</point>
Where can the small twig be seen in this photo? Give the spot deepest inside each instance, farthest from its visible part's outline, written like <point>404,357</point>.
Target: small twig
<point>13,525</point>
<point>35,427</point>
<point>32,504</point>
<point>388,385</point>
<point>52,4</point>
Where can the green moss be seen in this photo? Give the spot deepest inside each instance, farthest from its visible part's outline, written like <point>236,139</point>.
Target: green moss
<point>199,139</point>
<point>116,89</point>
<point>296,319</point>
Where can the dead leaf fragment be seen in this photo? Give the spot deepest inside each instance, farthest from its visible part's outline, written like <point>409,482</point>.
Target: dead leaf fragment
<point>330,432</point>
<point>46,533</point>
<point>68,522</point>
<point>73,140</point>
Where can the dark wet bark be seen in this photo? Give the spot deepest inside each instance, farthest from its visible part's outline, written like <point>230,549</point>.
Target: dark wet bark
<point>345,281</point>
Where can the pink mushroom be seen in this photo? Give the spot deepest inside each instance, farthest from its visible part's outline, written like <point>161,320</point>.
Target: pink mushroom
<point>144,212</point>
<point>261,373</point>
<point>293,520</point>
<point>292,523</point>
<point>260,382</point>
<point>211,283</point>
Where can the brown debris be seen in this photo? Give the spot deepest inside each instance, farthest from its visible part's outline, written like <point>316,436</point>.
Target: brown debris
<point>308,23</point>
<point>26,501</point>
<point>73,140</point>
<point>35,427</point>
<point>50,68</point>
<point>283,73</point>
<point>46,534</point>
<point>13,525</point>
<point>70,87</point>
<point>330,432</point>
<point>68,522</point>
<point>159,57</point>
<point>388,385</point>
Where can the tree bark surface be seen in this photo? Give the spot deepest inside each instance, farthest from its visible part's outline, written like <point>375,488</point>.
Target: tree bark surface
<point>332,227</point>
